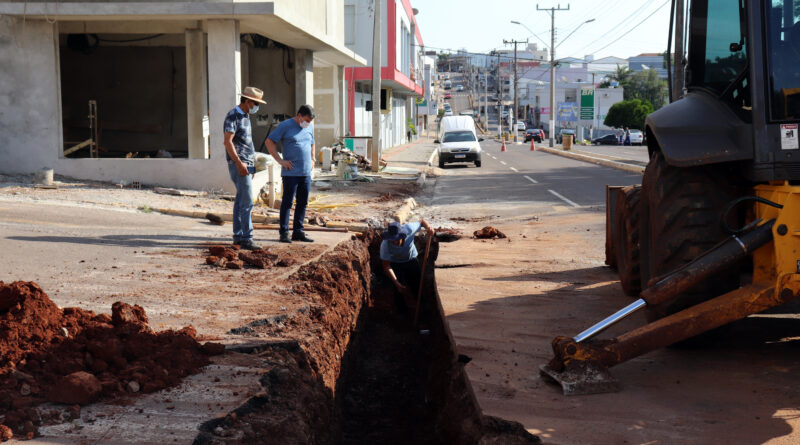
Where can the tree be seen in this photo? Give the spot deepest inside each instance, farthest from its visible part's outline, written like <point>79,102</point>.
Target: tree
<point>628,113</point>
<point>621,75</point>
<point>646,85</point>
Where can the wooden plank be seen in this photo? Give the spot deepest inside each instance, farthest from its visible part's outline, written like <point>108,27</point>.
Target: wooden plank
<point>71,150</point>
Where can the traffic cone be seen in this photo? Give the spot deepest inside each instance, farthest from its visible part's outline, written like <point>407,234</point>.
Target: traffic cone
<point>503,147</point>
<point>533,146</point>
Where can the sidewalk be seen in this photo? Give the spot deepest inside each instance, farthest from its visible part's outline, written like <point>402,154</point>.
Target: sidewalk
<point>416,154</point>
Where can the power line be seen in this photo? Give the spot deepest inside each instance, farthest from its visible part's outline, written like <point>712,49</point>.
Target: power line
<point>634,27</point>
<point>634,13</point>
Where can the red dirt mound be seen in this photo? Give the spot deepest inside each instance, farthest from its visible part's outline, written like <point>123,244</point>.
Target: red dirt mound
<point>488,232</point>
<point>76,357</point>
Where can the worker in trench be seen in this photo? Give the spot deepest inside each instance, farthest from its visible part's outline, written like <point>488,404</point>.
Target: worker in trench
<point>401,260</point>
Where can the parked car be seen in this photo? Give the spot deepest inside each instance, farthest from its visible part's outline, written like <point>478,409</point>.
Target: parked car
<point>448,96</point>
<point>520,126</point>
<point>609,139</point>
<point>534,133</point>
<point>637,137</point>
<point>459,87</point>
<point>448,112</point>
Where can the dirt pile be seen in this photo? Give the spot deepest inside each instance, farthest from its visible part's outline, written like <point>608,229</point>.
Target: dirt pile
<point>488,232</point>
<point>76,357</point>
<point>232,257</point>
<point>447,235</point>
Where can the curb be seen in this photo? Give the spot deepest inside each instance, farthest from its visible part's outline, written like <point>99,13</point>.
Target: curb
<point>430,158</point>
<point>593,160</point>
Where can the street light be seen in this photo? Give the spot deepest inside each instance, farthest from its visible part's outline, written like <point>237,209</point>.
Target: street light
<point>530,31</point>
<point>573,32</point>
<point>553,46</point>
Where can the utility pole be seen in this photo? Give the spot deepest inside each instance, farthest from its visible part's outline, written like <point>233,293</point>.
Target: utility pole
<point>678,77</point>
<point>486,99</point>
<point>516,89</point>
<point>499,100</point>
<point>552,68</point>
<point>376,87</point>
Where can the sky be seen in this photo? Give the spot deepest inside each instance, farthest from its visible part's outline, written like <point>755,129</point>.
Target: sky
<point>482,25</point>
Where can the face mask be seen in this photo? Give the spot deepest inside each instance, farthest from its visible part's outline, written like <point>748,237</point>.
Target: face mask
<point>254,110</point>
<point>304,124</point>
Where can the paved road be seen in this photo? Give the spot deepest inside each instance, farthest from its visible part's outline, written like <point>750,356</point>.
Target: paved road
<point>518,181</point>
<point>636,155</point>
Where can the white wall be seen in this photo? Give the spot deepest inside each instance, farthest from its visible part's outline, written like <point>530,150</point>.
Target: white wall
<point>363,30</point>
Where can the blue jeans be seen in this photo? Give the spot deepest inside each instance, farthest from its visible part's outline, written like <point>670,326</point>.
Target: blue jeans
<point>243,204</point>
<point>300,186</point>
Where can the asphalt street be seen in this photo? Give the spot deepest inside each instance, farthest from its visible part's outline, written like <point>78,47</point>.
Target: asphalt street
<point>519,182</point>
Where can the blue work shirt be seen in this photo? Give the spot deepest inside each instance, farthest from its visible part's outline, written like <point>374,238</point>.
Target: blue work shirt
<point>296,143</point>
<point>238,123</point>
<point>404,253</point>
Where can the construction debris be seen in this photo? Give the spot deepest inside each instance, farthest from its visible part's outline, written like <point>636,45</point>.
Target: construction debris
<point>98,358</point>
<point>488,232</point>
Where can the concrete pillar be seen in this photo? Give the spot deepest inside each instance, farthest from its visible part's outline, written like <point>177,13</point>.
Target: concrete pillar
<point>303,78</point>
<point>224,77</point>
<point>196,94</point>
<point>327,102</point>
<point>342,102</point>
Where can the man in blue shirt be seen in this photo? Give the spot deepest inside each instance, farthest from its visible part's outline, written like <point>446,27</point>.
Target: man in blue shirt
<point>296,136</point>
<point>399,256</point>
<point>240,153</point>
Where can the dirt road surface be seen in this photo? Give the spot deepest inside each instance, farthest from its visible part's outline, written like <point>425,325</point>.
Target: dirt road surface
<point>506,299</point>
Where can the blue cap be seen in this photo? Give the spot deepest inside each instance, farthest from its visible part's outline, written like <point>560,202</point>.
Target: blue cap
<point>395,231</point>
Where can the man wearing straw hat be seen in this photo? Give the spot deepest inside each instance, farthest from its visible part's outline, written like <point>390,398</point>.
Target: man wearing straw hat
<point>240,153</point>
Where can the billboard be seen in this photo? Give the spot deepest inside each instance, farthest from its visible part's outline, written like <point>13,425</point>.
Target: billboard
<point>568,111</point>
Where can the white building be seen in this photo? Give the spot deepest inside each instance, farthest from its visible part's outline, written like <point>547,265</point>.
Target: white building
<point>160,76</point>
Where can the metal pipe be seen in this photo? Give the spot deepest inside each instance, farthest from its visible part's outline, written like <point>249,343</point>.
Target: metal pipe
<point>708,264</point>
<point>611,320</point>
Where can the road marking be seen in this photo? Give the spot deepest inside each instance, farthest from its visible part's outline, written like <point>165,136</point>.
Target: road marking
<point>503,162</point>
<point>531,179</point>
<point>514,169</point>
<point>561,197</point>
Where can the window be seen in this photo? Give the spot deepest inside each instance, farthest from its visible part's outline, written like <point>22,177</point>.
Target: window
<point>349,24</point>
<point>718,44</point>
<point>459,136</point>
<point>783,39</point>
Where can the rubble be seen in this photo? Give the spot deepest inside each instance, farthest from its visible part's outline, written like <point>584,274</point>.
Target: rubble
<point>488,232</point>
<point>101,355</point>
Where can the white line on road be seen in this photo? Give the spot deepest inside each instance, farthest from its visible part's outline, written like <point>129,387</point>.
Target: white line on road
<point>561,197</point>
<point>514,169</point>
<point>503,162</point>
<point>531,179</point>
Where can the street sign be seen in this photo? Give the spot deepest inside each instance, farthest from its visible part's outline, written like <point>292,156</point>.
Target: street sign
<point>587,104</point>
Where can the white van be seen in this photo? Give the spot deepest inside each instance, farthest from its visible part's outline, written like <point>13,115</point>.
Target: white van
<point>448,84</point>
<point>458,141</point>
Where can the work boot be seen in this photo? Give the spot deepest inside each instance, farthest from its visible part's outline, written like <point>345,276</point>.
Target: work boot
<point>249,245</point>
<point>285,238</point>
<point>301,236</point>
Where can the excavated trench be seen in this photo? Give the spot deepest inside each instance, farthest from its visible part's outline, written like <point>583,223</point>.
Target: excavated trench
<point>354,369</point>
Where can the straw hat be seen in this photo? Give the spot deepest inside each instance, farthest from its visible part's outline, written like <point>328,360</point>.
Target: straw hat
<point>253,93</point>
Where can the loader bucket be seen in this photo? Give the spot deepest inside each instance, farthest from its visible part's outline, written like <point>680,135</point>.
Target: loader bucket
<point>582,379</point>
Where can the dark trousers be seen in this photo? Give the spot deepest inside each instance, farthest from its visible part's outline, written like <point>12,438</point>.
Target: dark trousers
<point>292,185</point>
<point>408,274</point>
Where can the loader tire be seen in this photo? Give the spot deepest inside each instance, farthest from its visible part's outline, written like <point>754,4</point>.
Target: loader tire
<point>682,220</point>
<point>626,240</point>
